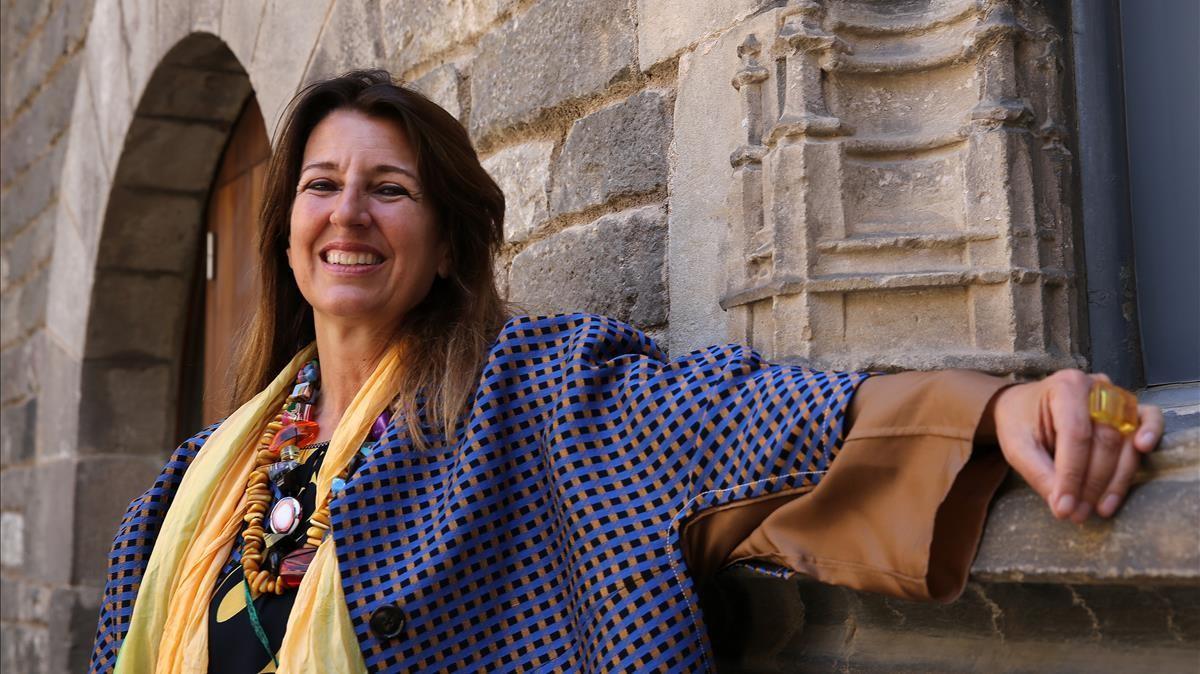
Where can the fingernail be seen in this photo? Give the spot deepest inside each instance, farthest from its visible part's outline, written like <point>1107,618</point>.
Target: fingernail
<point>1066,504</point>
<point>1109,505</point>
<point>1146,438</point>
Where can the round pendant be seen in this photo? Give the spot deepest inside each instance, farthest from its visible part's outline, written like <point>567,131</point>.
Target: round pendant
<point>285,516</point>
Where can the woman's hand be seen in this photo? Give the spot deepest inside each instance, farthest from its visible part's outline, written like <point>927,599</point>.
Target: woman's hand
<point>1092,464</point>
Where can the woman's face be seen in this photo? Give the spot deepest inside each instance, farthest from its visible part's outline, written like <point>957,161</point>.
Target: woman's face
<point>363,243</point>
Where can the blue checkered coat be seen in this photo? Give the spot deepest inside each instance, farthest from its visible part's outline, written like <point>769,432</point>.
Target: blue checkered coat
<point>545,535</point>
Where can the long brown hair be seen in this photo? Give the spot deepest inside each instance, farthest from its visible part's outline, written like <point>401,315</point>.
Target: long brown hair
<point>448,334</point>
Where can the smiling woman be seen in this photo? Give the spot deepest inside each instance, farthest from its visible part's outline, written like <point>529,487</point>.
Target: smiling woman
<point>410,483</point>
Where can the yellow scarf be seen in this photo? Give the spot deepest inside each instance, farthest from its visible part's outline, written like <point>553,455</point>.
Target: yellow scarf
<point>168,633</point>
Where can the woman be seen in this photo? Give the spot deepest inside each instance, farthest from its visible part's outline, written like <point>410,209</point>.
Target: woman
<point>444,491</point>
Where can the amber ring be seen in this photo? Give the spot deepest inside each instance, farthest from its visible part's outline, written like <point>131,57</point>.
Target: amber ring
<point>1112,405</point>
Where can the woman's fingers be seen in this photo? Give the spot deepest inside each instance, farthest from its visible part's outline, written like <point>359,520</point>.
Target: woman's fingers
<point>1072,439</point>
<point>1150,428</point>
<point>1114,493</point>
<point>1107,443</point>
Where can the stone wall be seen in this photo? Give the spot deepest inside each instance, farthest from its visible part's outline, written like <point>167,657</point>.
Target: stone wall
<point>850,183</point>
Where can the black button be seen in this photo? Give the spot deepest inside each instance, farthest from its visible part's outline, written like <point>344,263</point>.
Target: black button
<point>387,621</point>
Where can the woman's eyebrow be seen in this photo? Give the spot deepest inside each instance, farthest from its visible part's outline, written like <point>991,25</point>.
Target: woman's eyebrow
<point>378,168</point>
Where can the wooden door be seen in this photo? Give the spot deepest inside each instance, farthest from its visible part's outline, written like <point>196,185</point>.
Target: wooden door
<point>231,254</point>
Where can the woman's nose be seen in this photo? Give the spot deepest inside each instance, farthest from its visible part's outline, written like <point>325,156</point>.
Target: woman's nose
<point>350,210</point>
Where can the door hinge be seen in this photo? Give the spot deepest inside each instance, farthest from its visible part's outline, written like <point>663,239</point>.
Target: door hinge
<point>210,256</point>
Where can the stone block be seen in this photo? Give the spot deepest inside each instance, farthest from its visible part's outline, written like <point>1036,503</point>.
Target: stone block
<point>444,85</point>
<point>58,391</point>
<point>195,93</point>
<point>171,155</point>
<point>155,232</point>
<point>707,129</point>
<point>612,266</point>
<point>23,648</point>
<point>24,307</point>
<point>127,408</point>
<point>18,423</point>
<point>32,193</point>
<point>557,51</point>
<point>58,35</point>
<point>48,536</point>
<point>137,316</point>
<point>15,484</point>
<point>24,601</point>
<point>353,38</point>
<point>107,72</point>
<point>69,293</point>
<point>16,24</point>
<point>33,132</point>
<point>26,253</point>
<point>417,30</point>
<point>21,362</point>
<point>239,26</point>
<point>288,28</point>
<point>85,178</point>
<point>12,539</point>
<point>616,151</point>
<point>1152,539</point>
<point>666,27</point>
<point>104,486</point>
<point>141,37</point>
<point>523,173</point>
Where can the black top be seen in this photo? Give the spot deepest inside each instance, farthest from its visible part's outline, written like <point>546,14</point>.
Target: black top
<point>233,646</point>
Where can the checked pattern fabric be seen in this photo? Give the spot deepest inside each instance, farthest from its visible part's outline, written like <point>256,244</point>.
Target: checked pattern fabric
<point>545,535</point>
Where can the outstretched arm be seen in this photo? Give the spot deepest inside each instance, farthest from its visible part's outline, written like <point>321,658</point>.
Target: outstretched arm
<point>1047,435</point>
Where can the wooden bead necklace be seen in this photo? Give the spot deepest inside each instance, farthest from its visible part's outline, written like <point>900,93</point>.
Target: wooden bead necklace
<point>278,454</point>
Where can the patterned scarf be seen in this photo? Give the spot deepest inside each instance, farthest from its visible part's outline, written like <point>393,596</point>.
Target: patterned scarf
<point>169,629</point>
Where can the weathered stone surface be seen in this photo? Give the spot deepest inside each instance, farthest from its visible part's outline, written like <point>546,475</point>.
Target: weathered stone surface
<point>16,24</point>
<point>239,27</point>
<point>33,193</point>
<point>104,487</point>
<point>24,308</point>
<point>51,506</point>
<point>21,363</point>
<point>353,38</point>
<point>707,129</point>
<point>129,408</point>
<point>444,85</point>
<point>523,173</point>
<point>616,151</point>
<point>612,266</point>
<point>195,93</point>
<point>49,44</point>
<point>141,39</point>
<point>665,27</point>
<point>66,307</point>
<point>86,178</point>
<point>107,74</point>
<point>154,232</point>
<point>1152,539</point>
<point>12,539</point>
<point>170,155</point>
<point>287,27</point>
<point>24,254</point>
<point>137,315</point>
<point>23,601</point>
<point>58,389</point>
<point>417,30</point>
<point>39,127</point>
<point>18,421</point>
<point>519,73</point>
<point>23,645</point>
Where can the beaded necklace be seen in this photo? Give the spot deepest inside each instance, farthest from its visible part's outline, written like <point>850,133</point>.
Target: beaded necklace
<point>268,566</point>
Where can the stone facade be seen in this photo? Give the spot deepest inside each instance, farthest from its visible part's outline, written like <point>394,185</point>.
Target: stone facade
<point>847,183</point>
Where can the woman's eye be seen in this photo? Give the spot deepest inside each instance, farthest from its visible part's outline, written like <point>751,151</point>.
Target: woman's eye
<point>322,186</point>
<point>392,191</point>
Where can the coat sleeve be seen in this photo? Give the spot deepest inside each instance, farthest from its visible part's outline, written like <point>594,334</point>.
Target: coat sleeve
<point>131,552</point>
<point>900,511</point>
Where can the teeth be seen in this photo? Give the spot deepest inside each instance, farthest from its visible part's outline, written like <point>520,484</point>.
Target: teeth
<point>349,258</point>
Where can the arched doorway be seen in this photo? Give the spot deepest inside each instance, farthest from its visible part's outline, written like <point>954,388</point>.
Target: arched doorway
<point>186,149</point>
